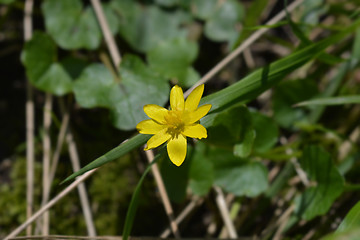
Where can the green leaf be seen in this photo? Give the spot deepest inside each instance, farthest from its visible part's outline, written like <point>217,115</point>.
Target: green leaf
<point>144,27</point>
<point>230,127</point>
<point>244,148</point>
<point>353,99</point>
<point>96,87</point>
<point>351,234</point>
<point>173,58</point>
<point>223,23</point>
<point>267,132</point>
<point>139,86</point>
<point>55,80</point>
<point>201,171</point>
<point>242,179</point>
<point>203,9</point>
<point>39,57</point>
<point>329,184</point>
<point>352,220</point>
<point>191,77</point>
<point>73,27</point>
<point>243,91</point>
<point>286,95</point>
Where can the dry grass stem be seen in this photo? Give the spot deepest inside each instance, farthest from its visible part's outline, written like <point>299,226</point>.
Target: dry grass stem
<point>250,40</point>
<point>224,211</point>
<point>187,210</point>
<point>46,159</point>
<point>163,194</point>
<point>74,157</point>
<point>51,203</point>
<point>110,42</point>
<point>30,109</point>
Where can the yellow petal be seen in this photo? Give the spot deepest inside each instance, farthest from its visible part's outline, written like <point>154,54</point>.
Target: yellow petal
<point>195,131</point>
<point>191,117</point>
<point>177,98</point>
<point>156,112</point>
<point>149,127</point>
<point>193,99</point>
<point>158,139</point>
<point>177,149</point>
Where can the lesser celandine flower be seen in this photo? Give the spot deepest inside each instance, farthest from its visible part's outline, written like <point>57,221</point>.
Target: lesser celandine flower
<point>174,125</point>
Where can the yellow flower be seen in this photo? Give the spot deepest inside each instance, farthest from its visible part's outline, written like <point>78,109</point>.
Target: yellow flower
<point>174,125</point>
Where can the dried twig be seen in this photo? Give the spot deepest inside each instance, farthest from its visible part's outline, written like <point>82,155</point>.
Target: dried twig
<point>74,157</point>
<point>46,159</point>
<point>51,203</point>
<point>30,153</point>
<point>243,46</point>
<point>110,42</point>
<point>163,194</point>
<point>187,210</point>
<point>224,211</point>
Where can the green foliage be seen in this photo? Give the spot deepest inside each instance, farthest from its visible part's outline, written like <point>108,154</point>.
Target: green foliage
<point>39,57</point>
<point>73,27</point>
<point>256,148</point>
<point>155,24</point>
<point>173,58</point>
<point>286,95</point>
<point>352,219</point>
<point>327,181</point>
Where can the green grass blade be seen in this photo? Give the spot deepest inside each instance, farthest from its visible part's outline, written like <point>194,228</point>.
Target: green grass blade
<point>243,91</point>
<point>352,99</point>
<point>113,154</point>
<point>130,215</point>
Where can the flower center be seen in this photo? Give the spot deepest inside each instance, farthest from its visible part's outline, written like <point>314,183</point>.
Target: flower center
<point>174,122</point>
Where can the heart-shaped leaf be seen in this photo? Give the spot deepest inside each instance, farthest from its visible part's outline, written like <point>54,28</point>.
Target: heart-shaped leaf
<point>144,27</point>
<point>173,58</point>
<point>139,85</point>
<point>39,57</point>
<point>73,27</point>
<point>329,184</point>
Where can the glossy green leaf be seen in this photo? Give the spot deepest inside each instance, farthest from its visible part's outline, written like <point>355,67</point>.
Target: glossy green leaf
<point>173,58</point>
<point>191,77</point>
<point>203,9</point>
<point>39,56</point>
<point>223,24</point>
<point>353,99</point>
<point>286,95</point>
<point>139,86</point>
<point>230,127</point>
<point>201,171</point>
<point>96,87</point>
<point>243,91</point>
<point>242,178</point>
<point>73,26</point>
<point>267,132</point>
<point>144,27</point>
<point>327,181</point>
<point>352,219</point>
<point>244,148</point>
